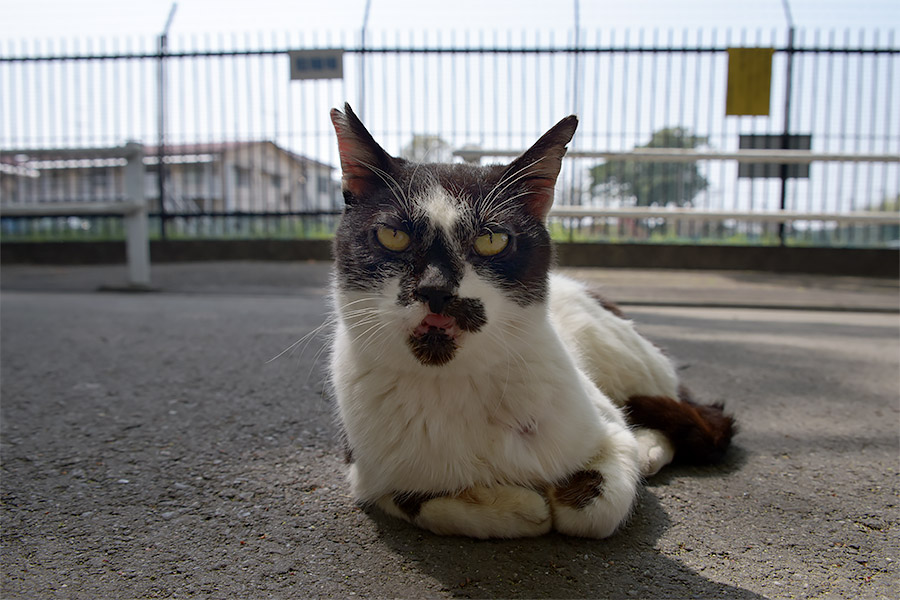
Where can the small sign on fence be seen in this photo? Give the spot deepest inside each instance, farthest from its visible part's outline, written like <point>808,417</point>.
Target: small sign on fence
<point>749,81</point>
<point>317,64</point>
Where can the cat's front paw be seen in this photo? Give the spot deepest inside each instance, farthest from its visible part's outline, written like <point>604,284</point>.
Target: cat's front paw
<point>655,450</point>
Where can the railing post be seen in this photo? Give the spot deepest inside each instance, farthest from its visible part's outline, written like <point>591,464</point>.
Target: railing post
<point>137,239</point>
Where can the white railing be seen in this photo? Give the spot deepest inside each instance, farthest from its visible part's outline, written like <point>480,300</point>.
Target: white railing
<point>689,155</point>
<point>683,214</point>
<point>133,210</point>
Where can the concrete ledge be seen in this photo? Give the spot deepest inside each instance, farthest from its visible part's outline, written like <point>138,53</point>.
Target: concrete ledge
<point>98,253</point>
<point>863,262</point>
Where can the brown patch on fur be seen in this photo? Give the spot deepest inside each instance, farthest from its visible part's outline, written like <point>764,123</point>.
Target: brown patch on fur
<point>578,489</point>
<point>411,502</point>
<point>606,304</point>
<point>700,433</point>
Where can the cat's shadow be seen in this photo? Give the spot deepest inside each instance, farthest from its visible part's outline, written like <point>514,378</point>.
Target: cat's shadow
<point>733,460</point>
<point>627,565</point>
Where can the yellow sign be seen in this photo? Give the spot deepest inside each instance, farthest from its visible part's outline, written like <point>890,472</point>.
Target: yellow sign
<point>749,81</point>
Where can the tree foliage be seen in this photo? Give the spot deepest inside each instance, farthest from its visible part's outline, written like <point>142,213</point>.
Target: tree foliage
<point>653,183</point>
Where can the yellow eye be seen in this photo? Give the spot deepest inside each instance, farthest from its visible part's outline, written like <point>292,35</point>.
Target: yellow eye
<point>491,244</point>
<point>393,239</point>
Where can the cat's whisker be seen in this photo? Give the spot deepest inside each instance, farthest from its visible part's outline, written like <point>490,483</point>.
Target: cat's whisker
<point>374,336</point>
<point>512,355</point>
<point>506,379</point>
<point>315,361</point>
<point>502,184</point>
<point>415,171</point>
<point>396,189</point>
<point>495,210</point>
<point>376,327</point>
<point>514,324</point>
<point>352,318</point>
<point>368,322</point>
<point>516,354</point>
<point>286,350</point>
<point>506,183</point>
<point>372,298</point>
<point>331,320</point>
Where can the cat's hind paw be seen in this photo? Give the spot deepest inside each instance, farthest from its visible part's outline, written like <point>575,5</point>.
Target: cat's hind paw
<point>655,450</point>
<point>501,511</point>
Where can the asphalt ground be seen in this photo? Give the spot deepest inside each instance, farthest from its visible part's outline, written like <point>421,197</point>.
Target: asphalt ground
<point>163,445</point>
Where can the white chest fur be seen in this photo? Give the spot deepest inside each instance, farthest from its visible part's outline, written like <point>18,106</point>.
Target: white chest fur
<point>522,414</point>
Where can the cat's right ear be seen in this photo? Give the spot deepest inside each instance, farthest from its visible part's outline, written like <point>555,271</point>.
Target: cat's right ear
<point>365,164</point>
<point>537,169</point>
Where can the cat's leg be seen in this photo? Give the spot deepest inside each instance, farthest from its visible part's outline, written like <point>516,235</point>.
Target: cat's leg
<point>501,511</point>
<point>595,500</point>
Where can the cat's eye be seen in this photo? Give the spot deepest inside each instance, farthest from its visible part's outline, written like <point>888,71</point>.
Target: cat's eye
<point>395,240</point>
<point>491,244</point>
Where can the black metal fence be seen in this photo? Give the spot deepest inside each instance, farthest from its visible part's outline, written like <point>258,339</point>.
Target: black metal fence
<point>248,152</point>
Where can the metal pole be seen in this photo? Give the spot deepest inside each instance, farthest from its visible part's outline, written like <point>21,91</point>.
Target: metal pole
<point>575,66</point>
<point>785,136</point>
<point>362,61</point>
<point>569,194</point>
<point>161,120</point>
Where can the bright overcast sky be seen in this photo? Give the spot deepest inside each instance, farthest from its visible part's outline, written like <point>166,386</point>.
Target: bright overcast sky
<point>50,19</point>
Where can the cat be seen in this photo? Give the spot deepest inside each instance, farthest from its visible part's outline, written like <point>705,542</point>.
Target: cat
<point>479,393</point>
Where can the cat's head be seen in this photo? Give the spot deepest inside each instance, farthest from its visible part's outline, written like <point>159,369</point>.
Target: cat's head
<point>441,254</point>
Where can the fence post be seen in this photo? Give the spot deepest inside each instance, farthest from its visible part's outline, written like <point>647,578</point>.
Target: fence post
<point>786,135</point>
<point>137,239</point>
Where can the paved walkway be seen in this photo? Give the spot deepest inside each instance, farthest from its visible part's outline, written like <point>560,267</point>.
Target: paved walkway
<point>151,447</point>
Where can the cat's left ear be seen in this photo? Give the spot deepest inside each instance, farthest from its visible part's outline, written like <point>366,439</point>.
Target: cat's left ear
<point>539,166</point>
<point>365,164</point>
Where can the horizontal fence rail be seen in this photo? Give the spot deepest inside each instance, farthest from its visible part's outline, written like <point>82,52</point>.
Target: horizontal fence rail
<point>233,148</point>
<point>681,155</point>
<point>680,214</point>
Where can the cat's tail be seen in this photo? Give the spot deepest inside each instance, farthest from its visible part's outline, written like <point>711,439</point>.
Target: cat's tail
<point>700,433</point>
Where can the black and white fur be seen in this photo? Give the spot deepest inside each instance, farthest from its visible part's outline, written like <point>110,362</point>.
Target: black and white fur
<point>479,393</point>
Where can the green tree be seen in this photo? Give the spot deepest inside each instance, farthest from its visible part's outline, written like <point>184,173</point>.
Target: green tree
<point>653,183</point>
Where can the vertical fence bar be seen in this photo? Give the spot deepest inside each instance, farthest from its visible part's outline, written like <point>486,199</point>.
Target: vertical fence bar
<point>161,132</point>
<point>786,130</point>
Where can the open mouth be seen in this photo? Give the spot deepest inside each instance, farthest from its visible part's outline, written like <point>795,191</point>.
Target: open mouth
<point>437,324</point>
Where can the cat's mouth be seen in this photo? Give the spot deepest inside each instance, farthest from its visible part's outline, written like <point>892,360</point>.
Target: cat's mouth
<point>434,340</point>
<point>438,324</point>
<point>437,337</point>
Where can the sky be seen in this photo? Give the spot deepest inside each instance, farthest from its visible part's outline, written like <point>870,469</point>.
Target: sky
<point>53,19</point>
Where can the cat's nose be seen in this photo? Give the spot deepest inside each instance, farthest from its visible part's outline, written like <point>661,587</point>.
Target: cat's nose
<point>435,297</point>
